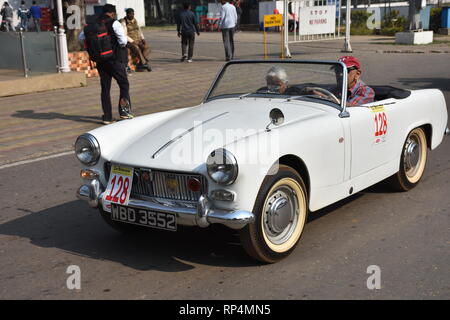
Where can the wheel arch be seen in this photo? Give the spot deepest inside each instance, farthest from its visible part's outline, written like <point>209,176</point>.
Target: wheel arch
<point>428,128</point>
<point>298,165</point>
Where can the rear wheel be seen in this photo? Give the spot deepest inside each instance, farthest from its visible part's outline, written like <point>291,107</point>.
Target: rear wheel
<point>412,162</point>
<point>280,210</point>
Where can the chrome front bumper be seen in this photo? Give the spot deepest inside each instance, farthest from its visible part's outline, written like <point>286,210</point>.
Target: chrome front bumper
<point>200,214</point>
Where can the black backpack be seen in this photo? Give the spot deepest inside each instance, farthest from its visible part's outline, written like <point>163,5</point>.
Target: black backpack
<point>98,42</point>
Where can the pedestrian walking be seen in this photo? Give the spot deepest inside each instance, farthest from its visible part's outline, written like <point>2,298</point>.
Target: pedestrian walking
<point>228,20</point>
<point>36,14</point>
<point>187,27</point>
<point>24,14</point>
<point>105,41</point>
<point>237,5</point>
<point>7,17</point>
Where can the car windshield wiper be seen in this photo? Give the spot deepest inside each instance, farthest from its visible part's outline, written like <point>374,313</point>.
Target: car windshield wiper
<point>244,95</point>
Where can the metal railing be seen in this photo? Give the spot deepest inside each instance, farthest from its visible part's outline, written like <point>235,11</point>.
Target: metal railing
<point>316,20</point>
<point>32,53</point>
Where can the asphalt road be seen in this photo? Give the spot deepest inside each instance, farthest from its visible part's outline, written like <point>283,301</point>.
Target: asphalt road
<point>44,229</point>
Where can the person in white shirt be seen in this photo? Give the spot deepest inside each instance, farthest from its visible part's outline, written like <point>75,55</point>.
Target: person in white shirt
<point>228,20</point>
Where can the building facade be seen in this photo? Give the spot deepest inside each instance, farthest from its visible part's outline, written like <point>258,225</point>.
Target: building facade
<point>94,7</point>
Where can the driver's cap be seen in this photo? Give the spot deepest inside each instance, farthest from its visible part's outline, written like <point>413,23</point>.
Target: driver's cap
<point>350,61</point>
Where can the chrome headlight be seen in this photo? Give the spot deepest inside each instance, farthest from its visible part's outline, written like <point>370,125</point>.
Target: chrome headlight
<point>222,167</point>
<point>87,149</point>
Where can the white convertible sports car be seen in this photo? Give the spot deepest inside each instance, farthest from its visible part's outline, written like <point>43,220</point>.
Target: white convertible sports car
<point>257,157</point>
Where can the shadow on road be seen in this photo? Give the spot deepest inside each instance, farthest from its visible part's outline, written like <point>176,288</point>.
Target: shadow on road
<point>77,229</point>
<point>80,230</point>
<point>30,114</point>
<point>333,207</point>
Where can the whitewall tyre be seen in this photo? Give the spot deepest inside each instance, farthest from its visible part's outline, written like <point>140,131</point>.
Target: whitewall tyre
<point>281,209</point>
<point>412,162</point>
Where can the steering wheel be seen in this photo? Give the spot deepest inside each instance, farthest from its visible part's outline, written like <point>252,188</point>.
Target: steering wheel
<point>323,91</point>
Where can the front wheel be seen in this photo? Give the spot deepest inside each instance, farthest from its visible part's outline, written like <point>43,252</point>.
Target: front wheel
<point>280,210</point>
<point>412,162</point>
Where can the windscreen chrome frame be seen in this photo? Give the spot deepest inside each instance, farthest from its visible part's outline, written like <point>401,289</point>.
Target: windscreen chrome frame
<point>343,112</point>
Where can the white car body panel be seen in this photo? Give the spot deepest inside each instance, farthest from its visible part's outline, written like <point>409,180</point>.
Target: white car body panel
<point>339,153</point>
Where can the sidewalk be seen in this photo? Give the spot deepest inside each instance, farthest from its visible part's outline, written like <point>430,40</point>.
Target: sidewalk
<point>46,123</point>
<point>13,82</point>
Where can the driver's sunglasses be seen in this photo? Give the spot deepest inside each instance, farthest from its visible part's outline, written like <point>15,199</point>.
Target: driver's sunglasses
<point>274,87</point>
<point>351,69</point>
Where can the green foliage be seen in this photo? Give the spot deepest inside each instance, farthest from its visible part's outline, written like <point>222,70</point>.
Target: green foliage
<point>435,19</point>
<point>392,23</point>
<point>359,23</point>
<point>359,17</point>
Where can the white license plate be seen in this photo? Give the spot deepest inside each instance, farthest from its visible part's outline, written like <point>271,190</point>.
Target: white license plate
<point>144,217</point>
<point>119,187</point>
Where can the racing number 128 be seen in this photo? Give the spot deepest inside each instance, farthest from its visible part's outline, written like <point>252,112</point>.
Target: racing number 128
<point>124,184</point>
<point>380,124</point>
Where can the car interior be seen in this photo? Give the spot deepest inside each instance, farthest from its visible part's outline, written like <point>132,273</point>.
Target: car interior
<point>386,92</point>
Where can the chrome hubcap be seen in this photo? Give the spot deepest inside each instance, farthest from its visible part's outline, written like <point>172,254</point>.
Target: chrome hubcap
<point>280,215</point>
<point>412,155</point>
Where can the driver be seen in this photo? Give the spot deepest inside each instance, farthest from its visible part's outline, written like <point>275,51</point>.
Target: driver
<point>358,92</point>
<point>277,81</point>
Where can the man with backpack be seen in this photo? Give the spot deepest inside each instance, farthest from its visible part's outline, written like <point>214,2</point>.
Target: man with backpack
<point>105,41</point>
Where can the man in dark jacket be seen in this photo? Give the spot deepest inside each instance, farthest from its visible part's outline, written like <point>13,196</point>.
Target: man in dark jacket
<point>186,28</point>
<point>114,67</point>
<point>7,16</point>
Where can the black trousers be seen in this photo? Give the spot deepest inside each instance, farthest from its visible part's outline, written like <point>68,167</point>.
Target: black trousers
<point>187,41</point>
<point>108,70</point>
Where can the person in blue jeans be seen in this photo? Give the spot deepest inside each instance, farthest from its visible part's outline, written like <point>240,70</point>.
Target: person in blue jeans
<point>24,15</point>
<point>36,14</point>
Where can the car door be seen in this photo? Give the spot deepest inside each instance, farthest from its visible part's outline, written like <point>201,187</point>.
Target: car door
<point>370,133</point>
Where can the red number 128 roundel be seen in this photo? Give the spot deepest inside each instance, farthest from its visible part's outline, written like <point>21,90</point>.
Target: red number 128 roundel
<point>119,187</point>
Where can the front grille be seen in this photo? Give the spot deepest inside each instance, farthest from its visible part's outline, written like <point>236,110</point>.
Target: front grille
<point>164,184</point>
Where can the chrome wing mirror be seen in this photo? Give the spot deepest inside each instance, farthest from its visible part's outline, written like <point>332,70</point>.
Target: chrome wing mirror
<point>276,118</point>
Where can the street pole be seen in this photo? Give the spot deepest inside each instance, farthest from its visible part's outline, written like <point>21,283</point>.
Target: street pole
<point>287,52</point>
<point>347,46</point>
<point>24,58</point>
<point>62,40</point>
<point>58,62</point>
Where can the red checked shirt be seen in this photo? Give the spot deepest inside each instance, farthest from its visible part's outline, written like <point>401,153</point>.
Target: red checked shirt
<point>360,94</point>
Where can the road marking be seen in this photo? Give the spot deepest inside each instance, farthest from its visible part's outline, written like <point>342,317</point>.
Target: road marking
<point>19,163</point>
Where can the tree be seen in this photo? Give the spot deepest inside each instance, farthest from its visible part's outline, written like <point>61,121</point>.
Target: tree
<point>74,21</point>
<point>414,22</point>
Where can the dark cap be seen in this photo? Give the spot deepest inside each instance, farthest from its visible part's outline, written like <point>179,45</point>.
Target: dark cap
<point>107,8</point>
<point>129,10</point>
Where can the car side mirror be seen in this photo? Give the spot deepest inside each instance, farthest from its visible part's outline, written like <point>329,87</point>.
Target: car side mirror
<point>276,118</point>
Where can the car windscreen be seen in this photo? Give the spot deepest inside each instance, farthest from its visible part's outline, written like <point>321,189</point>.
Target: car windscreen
<point>316,80</point>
